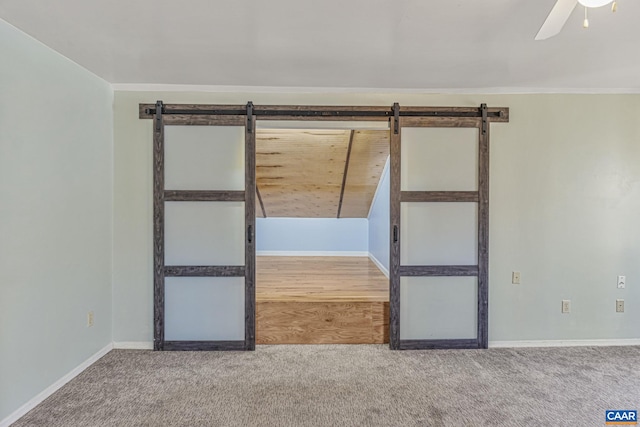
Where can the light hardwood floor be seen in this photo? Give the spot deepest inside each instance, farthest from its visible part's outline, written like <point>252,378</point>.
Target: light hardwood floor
<point>321,300</point>
<point>319,279</point>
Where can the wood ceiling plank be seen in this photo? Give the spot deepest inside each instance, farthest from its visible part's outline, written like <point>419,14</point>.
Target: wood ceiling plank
<point>369,154</point>
<point>306,157</point>
<point>300,201</point>
<point>299,172</point>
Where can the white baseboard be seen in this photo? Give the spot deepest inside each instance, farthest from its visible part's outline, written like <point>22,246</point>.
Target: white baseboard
<point>377,262</point>
<point>133,345</point>
<point>35,401</point>
<point>566,343</point>
<point>312,253</point>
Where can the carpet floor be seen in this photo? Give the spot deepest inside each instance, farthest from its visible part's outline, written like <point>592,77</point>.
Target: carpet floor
<point>345,385</point>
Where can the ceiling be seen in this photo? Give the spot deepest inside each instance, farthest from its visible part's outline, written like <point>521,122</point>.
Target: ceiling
<point>301,173</point>
<point>404,44</point>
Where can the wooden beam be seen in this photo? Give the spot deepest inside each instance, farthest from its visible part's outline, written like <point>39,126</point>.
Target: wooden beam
<point>346,169</point>
<point>438,344</point>
<point>204,271</point>
<point>441,122</point>
<point>321,113</point>
<point>483,231</point>
<point>215,114</point>
<point>203,196</point>
<point>189,120</point>
<point>158,229</point>
<point>145,110</point>
<point>445,111</point>
<point>204,345</point>
<point>250,227</point>
<point>394,239</point>
<point>438,270</point>
<point>264,212</point>
<point>439,196</point>
<point>494,114</point>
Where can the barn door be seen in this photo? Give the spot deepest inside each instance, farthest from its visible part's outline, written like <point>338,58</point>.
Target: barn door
<point>204,223</point>
<point>439,231</point>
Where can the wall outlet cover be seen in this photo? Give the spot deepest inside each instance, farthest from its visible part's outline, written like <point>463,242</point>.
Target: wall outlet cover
<point>515,277</point>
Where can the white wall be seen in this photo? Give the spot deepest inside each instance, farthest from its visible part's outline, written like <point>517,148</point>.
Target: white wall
<point>565,198</point>
<point>311,235</point>
<point>379,222</point>
<point>565,201</point>
<point>55,216</point>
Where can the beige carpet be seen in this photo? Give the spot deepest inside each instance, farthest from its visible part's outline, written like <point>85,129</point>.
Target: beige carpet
<point>366,385</point>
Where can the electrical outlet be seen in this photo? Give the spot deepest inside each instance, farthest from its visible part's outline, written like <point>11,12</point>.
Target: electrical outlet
<point>566,306</point>
<point>89,319</point>
<point>619,306</point>
<point>515,277</point>
<point>622,282</point>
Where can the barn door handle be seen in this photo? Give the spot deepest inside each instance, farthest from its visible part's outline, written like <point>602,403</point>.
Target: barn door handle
<point>250,233</point>
<point>395,234</point>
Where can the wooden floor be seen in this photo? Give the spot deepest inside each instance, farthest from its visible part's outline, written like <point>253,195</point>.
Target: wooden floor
<point>321,300</point>
<point>319,279</point>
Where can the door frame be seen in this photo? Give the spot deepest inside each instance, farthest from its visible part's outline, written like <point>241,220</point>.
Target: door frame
<point>246,115</point>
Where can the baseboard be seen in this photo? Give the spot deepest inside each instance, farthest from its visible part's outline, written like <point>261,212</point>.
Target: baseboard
<point>133,345</point>
<point>35,401</point>
<point>566,343</point>
<point>377,262</point>
<point>312,253</point>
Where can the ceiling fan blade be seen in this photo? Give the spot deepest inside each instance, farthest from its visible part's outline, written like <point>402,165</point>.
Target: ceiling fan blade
<point>556,19</point>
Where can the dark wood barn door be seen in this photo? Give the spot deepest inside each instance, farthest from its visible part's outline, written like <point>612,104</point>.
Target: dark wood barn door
<point>204,222</point>
<point>204,226</point>
<point>440,229</point>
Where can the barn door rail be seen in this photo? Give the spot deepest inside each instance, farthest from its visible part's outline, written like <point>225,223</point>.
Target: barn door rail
<point>309,112</point>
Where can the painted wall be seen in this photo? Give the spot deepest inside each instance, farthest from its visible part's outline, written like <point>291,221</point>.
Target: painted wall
<point>312,234</point>
<point>56,169</point>
<point>565,198</point>
<point>379,222</point>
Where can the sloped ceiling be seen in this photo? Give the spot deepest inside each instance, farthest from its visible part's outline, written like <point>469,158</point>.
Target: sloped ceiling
<point>412,44</point>
<point>301,173</point>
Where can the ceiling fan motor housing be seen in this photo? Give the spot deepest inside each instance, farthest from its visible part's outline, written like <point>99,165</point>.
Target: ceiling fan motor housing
<point>594,3</point>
